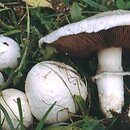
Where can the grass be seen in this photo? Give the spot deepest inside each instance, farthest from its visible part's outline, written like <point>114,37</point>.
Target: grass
<point>26,25</point>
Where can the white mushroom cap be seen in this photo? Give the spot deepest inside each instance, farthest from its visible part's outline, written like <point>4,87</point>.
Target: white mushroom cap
<point>49,82</point>
<point>96,23</point>
<point>8,99</point>
<point>9,52</point>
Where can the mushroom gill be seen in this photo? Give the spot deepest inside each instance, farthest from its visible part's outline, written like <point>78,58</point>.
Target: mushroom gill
<point>83,43</point>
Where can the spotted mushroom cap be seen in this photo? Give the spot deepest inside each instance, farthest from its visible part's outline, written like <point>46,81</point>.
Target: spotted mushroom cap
<point>107,29</point>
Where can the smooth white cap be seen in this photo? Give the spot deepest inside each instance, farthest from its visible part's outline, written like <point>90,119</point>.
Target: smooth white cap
<point>49,82</point>
<point>8,99</point>
<point>9,52</point>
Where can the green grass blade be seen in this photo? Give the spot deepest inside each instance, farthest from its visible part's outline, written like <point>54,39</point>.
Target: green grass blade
<point>7,117</point>
<point>1,122</point>
<point>81,104</point>
<point>11,32</point>
<point>20,114</point>
<point>42,121</point>
<point>96,5</point>
<point>28,23</point>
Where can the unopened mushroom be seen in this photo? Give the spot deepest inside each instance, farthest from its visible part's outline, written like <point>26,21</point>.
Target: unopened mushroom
<point>107,33</point>
<point>9,52</point>
<point>8,99</point>
<point>48,82</point>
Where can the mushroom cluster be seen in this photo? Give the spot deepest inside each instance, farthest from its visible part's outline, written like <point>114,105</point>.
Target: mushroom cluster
<point>9,54</point>
<point>49,82</point>
<point>107,33</point>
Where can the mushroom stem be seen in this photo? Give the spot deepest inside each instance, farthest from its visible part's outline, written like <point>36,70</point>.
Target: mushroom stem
<point>110,86</point>
<point>110,59</point>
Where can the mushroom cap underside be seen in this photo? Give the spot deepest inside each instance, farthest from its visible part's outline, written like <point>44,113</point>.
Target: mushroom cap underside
<point>83,43</point>
<point>104,30</point>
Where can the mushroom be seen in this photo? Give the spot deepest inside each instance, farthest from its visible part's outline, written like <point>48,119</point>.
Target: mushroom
<point>9,53</point>
<point>107,33</point>
<point>50,81</point>
<point>8,99</point>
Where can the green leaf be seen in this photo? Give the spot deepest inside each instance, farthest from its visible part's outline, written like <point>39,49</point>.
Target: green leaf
<point>76,12</point>
<point>48,53</point>
<point>66,2</point>
<point>63,128</point>
<point>96,5</point>
<point>92,124</point>
<point>81,103</point>
<point>89,123</point>
<point>42,121</point>
<point>121,4</point>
